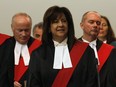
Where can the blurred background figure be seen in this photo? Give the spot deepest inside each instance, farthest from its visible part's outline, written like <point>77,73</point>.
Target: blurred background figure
<point>38,31</point>
<point>106,33</point>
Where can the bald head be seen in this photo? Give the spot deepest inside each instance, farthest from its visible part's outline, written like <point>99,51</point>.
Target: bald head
<point>90,23</point>
<point>87,13</point>
<point>21,27</point>
<point>21,17</point>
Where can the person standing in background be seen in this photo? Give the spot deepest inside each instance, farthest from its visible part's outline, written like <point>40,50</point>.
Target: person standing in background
<point>38,31</point>
<point>106,33</point>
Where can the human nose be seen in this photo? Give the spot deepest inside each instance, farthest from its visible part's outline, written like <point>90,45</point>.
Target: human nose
<point>101,27</point>
<point>95,24</point>
<point>60,23</point>
<point>23,33</point>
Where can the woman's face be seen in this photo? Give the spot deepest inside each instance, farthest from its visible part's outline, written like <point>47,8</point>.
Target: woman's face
<point>59,28</point>
<point>104,28</point>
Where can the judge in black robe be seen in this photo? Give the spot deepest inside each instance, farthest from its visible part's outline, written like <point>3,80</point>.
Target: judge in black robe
<point>91,25</point>
<point>41,71</point>
<point>104,69</point>
<point>8,63</point>
<point>21,27</point>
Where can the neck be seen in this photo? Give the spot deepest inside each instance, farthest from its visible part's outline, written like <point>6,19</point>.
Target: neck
<point>59,39</point>
<point>90,39</point>
<point>102,39</point>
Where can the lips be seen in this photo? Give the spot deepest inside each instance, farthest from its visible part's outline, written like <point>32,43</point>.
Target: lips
<point>101,32</point>
<point>60,29</point>
<point>95,30</point>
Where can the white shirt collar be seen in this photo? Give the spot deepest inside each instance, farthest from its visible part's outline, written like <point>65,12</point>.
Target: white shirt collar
<point>93,44</point>
<point>21,50</point>
<point>62,56</point>
<point>105,41</point>
<point>94,41</point>
<point>64,42</point>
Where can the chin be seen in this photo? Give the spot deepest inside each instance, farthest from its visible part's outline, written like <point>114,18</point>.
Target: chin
<point>23,42</point>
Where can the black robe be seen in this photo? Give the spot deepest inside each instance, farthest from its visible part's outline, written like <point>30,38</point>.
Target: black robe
<point>3,63</point>
<point>111,75</point>
<point>42,74</point>
<point>8,64</point>
<point>104,70</point>
<point>3,38</point>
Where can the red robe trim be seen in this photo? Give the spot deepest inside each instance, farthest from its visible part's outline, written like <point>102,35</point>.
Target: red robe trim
<point>3,37</point>
<point>103,54</point>
<point>21,68</point>
<point>65,74</point>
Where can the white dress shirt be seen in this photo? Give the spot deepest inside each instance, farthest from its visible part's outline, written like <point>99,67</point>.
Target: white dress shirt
<point>105,41</point>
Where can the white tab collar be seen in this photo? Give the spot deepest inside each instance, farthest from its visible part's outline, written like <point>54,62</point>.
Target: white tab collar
<point>21,50</point>
<point>62,56</point>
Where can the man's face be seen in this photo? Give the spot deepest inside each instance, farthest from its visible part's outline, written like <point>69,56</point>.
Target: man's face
<point>91,25</point>
<point>38,33</point>
<point>21,29</point>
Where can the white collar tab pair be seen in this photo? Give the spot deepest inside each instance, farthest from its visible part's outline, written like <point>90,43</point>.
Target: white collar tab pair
<point>21,50</point>
<point>62,56</point>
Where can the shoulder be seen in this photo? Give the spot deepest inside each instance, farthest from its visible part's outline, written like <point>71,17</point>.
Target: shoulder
<point>113,43</point>
<point>113,52</point>
<point>39,50</point>
<point>106,47</point>
<point>81,43</point>
<point>112,58</point>
<point>3,38</point>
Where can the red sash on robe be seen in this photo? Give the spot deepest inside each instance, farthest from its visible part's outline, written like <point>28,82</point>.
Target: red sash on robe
<point>3,37</point>
<point>21,68</point>
<point>65,74</point>
<point>103,54</point>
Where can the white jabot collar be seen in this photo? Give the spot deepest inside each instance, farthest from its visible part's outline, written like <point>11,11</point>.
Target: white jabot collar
<point>21,50</point>
<point>93,46</point>
<point>62,56</point>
